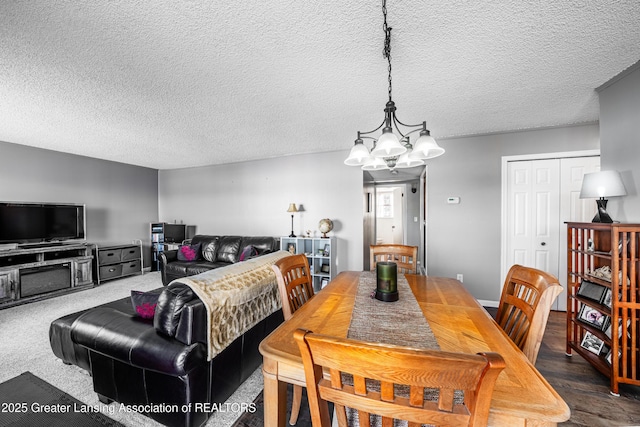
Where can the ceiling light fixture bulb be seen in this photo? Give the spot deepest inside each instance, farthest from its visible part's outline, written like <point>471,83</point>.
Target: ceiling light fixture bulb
<point>426,147</point>
<point>358,155</point>
<point>388,145</point>
<point>375,164</point>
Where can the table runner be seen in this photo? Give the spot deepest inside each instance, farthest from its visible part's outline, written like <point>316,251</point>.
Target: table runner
<point>398,323</point>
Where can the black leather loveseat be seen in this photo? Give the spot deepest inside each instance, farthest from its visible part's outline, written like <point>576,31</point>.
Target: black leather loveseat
<point>158,364</point>
<point>213,252</point>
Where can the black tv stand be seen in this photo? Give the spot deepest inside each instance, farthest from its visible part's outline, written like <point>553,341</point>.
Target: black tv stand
<point>34,272</point>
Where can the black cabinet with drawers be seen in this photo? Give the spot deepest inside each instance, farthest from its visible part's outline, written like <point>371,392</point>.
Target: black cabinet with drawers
<point>113,261</point>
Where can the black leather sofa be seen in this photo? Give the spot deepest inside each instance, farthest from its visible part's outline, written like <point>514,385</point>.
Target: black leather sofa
<point>160,363</point>
<point>214,252</point>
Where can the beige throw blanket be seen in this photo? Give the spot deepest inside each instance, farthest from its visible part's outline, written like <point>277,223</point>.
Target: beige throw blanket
<point>237,297</point>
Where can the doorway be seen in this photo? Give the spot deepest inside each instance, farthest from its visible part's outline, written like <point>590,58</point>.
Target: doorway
<point>393,206</point>
<point>540,194</point>
<point>390,218</point>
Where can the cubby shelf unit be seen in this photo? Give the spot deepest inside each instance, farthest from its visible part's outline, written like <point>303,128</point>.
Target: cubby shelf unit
<point>321,253</point>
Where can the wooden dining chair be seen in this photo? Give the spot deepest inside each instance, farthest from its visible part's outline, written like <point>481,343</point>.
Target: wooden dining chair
<point>526,300</point>
<point>295,285</point>
<point>390,381</point>
<point>405,256</point>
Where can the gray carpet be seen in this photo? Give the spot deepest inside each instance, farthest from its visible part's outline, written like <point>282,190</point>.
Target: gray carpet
<point>34,402</point>
<point>24,338</point>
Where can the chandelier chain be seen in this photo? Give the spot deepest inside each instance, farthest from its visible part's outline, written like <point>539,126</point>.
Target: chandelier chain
<point>386,52</point>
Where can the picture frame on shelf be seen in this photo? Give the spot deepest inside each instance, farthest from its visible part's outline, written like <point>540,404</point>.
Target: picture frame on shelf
<point>607,330</point>
<point>324,268</point>
<point>327,249</point>
<point>591,291</point>
<point>606,298</point>
<point>324,282</point>
<point>610,354</point>
<point>592,343</point>
<point>291,247</point>
<point>592,317</point>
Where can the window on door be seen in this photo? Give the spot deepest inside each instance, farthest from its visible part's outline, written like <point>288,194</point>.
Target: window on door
<point>384,208</point>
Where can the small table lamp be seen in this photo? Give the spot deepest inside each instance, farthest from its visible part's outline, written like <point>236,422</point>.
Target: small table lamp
<point>292,209</point>
<point>601,185</point>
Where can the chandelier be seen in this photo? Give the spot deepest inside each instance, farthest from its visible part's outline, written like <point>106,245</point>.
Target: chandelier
<point>392,148</point>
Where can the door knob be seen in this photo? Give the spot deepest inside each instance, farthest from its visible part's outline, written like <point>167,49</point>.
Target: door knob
<point>543,243</point>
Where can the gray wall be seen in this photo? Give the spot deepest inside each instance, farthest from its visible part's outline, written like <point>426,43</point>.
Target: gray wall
<point>121,200</point>
<point>465,238</point>
<point>619,122</point>
<point>251,198</point>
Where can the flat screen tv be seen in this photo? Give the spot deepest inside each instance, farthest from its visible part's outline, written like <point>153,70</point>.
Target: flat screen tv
<point>41,222</point>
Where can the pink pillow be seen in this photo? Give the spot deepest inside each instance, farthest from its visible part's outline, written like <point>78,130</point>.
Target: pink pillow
<point>144,303</point>
<point>189,252</point>
<point>248,252</point>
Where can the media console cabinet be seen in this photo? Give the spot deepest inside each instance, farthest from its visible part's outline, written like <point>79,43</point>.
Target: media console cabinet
<point>33,272</point>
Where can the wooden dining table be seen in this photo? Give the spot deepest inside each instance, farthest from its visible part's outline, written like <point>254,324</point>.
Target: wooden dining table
<point>522,397</point>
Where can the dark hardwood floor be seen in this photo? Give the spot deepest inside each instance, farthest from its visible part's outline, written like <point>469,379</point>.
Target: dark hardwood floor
<point>585,390</point>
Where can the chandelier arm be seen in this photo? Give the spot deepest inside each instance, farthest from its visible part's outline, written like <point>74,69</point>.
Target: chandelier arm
<point>376,129</point>
<point>423,124</point>
<point>413,131</point>
<point>368,137</point>
<point>397,122</point>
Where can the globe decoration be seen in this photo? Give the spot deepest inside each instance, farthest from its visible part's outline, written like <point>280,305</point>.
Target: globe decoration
<point>325,225</point>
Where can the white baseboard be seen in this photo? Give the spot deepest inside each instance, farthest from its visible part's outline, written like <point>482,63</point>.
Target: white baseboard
<point>488,303</point>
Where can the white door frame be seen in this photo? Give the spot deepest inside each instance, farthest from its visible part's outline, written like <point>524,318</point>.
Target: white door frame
<point>503,234</point>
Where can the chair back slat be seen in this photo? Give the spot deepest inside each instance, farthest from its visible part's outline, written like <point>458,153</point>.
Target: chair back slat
<point>396,382</point>
<point>416,396</point>
<point>445,399</point>
<point>386,391</point>
<point>527,296</point>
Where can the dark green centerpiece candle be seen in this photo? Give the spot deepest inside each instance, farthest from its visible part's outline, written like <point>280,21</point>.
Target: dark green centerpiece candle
<point>387,281</point>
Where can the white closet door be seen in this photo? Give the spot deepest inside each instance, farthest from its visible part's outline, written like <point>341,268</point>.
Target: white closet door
<point>573,209</point>
<point>541,196</point>
<point>533,214</point>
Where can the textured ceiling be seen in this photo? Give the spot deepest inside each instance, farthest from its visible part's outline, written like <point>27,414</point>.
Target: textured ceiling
<point>169,84</point>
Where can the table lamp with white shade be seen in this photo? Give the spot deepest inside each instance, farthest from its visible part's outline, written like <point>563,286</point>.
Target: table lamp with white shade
<point>292,209</point>
<point>601,185</point>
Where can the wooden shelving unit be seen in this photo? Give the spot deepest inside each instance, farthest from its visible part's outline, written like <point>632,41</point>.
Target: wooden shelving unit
<point>592,246</point>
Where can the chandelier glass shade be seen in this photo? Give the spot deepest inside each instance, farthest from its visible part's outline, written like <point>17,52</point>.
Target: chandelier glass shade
<point>392,148</point>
